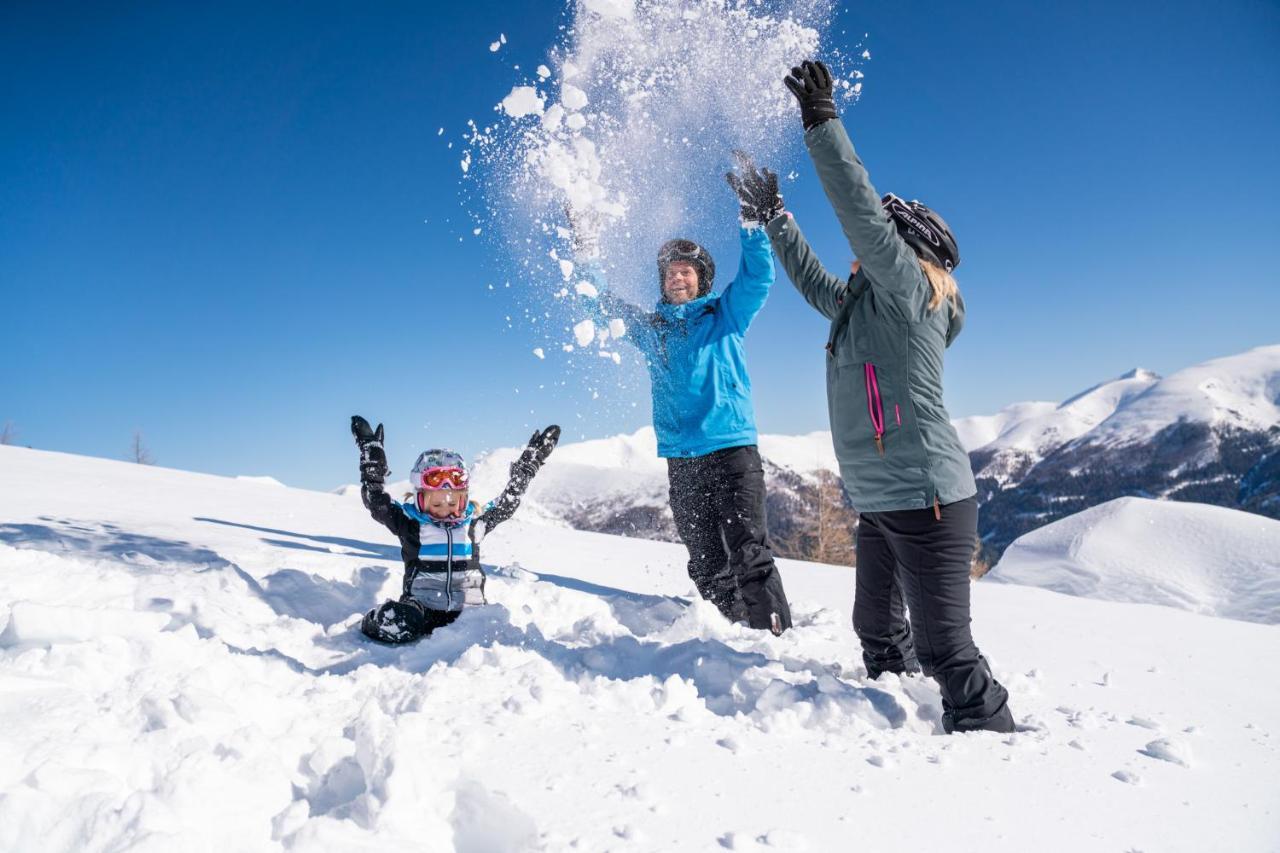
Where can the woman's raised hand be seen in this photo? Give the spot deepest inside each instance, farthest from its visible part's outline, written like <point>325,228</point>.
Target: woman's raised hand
<point>811,83</point>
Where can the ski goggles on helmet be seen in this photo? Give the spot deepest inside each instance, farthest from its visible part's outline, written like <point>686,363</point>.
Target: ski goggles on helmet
<point>434,479</point>
<point>682,250</point>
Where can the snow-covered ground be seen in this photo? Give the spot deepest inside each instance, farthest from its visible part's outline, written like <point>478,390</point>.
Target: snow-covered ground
<point>1206,559</point>
<point>180,668</point>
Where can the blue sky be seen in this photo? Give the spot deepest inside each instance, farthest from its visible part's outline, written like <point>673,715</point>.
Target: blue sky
<point>233,225</point>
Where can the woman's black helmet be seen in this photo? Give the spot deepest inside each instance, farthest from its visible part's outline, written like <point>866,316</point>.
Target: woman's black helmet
<point>689,252</point>
<point>924,231</point>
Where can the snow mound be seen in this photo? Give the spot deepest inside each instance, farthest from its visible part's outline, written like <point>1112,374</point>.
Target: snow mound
<point>1196,557</point>
<point>266,481</point>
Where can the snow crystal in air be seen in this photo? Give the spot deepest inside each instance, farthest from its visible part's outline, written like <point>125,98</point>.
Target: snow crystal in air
<point>617,9</point>
<point>587,289</point>
<point>651,98</point>
<point>539,352</point>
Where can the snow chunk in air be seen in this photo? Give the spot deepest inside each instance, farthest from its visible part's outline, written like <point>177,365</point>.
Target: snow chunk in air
<point>585,332</point>
<point>522,101</point>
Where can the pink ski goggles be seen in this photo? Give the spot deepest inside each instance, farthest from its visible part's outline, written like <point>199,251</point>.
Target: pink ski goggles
<point>434,479</point>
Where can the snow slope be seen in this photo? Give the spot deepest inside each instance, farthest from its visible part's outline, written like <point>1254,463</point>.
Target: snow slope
<point>1014,439</point>
<point>1202,558</point>
<point>180,668</point>
<point>1240,391</point>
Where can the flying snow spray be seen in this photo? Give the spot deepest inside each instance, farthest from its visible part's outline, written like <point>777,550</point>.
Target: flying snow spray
<point>630,122</point>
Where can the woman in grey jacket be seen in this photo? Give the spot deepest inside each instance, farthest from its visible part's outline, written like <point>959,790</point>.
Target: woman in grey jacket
<point>900,458</point>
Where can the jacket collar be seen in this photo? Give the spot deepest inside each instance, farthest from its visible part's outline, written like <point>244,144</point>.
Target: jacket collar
<point>692,308</point>
<point>410,508</point>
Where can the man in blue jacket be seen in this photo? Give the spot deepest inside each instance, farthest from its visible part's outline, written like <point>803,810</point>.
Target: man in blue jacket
<point>702,411</point>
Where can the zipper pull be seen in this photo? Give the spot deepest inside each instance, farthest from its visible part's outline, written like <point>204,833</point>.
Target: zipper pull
<point>880,445</point>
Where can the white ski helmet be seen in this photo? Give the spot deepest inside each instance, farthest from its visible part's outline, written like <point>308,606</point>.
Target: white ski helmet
<point>438,469</point>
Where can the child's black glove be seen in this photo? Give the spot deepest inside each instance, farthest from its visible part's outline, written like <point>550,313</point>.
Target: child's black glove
<point>539,448</point>
<point>373,459</point>
<point>811,83</point>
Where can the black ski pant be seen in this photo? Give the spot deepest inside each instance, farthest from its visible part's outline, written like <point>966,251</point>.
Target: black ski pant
<point>718,504</point>
<point>914,561</point>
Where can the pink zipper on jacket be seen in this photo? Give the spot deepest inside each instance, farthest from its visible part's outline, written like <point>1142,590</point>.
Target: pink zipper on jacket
<point>875,406</point>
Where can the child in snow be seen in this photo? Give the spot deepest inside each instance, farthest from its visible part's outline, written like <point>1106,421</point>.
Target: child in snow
<point>439,530</point>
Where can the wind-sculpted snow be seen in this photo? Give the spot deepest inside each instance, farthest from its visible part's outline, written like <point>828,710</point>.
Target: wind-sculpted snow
<point>1205,559</point>
<point>180,668</point>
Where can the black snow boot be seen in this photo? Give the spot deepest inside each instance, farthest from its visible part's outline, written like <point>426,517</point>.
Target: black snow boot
<point>403,621</point>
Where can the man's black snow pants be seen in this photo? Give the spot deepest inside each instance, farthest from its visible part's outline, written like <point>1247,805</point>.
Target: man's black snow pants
<point>913,557</point>
<point>718,504</point>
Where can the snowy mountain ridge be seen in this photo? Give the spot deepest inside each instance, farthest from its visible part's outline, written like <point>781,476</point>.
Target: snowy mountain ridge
<point>1209,433</point>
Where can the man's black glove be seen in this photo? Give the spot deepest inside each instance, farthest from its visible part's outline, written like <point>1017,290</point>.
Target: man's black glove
<point>811,84</point>
<point>536,452</point>
<point>757,190</point>
<point>373,459</point>
<point>584,234</point>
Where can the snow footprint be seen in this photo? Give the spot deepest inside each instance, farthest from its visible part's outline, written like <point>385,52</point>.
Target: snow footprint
<point>1127,777</point>
<point>1170,750</point>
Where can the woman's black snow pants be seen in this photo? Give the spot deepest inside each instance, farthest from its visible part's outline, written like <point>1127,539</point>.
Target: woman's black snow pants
<point>718,504</point>
<point>912,557</point>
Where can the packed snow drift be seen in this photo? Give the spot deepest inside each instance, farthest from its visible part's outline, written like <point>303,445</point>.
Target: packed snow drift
<point>1205,559</point>
<point>181,668</point>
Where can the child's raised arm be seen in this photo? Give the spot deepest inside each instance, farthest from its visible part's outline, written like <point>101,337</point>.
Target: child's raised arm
<point>523,470</point>
<point>373,473</point>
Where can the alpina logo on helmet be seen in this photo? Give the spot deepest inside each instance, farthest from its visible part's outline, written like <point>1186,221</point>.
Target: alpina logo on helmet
<point>901,210</point>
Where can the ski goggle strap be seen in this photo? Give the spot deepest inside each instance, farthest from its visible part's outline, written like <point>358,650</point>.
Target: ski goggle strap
<point>434,479</point>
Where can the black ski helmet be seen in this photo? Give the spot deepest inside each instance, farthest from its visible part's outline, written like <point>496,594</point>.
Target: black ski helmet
<point>924,231</point>
<point>689,252</point>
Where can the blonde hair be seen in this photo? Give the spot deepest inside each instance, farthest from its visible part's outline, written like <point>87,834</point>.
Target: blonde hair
<point>941,282</point>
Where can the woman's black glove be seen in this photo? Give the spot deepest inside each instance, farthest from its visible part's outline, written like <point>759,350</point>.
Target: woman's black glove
<point>535,453</point>
<point>373,459</point>
<point>811,84</point>
<point>757,190</point>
